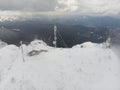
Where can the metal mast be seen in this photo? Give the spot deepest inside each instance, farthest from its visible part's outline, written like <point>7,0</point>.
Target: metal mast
<point>55,36</point>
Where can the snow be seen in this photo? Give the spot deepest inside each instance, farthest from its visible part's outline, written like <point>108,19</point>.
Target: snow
<point>87,66</point>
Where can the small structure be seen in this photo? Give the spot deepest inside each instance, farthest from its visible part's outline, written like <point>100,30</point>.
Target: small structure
<point>36,52</point>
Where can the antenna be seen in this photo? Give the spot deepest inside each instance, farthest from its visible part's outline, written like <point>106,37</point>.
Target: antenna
<point>55,36</point>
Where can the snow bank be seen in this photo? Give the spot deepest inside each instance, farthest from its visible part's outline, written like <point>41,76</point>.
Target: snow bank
<point>86,45</point>
<point>88,68</point>
<point>2,44</point>
<point>37,45</point>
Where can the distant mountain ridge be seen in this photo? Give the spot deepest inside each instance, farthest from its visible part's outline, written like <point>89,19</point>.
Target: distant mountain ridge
<point>99,21</point>
<point>72,34</point>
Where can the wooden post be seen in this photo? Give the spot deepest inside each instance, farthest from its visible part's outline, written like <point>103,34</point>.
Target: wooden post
<point>22,51</point>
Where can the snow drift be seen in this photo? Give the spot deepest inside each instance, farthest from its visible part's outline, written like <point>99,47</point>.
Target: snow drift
<point>87,66</point>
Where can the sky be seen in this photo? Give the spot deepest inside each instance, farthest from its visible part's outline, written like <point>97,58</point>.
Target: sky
<point>84,7</point>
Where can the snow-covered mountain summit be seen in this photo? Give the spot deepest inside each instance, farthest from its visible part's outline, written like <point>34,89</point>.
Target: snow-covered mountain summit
<point>7,18</point>
<point>87,66</point>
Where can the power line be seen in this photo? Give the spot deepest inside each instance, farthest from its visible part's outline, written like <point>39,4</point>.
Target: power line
<point>58,33</point>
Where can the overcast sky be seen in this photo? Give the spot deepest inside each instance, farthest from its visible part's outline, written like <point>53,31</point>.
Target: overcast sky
<point>87,7</point>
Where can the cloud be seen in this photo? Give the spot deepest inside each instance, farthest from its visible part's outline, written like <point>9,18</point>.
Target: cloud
<point>67,5</point>
<point>90,7</point>
<point>99,6</point>
<point>28,5</point>
<point>85,7</point>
